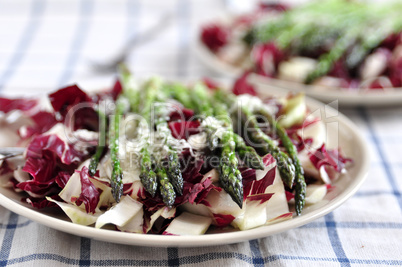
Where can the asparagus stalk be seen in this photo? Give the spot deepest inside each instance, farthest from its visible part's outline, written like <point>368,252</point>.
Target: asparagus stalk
<point>166,188</point>
<point>246,153</point>
<point>326,61</point>
<point>154,93</point>
<point>180,93</point>
<point>200,100</point>
<point>93,164</point>
<point>267,145</point>
<point>230,177</point>
<point>114,132</point>
<point>300,184</point>
<point>173,169</point>
<point>148,176</point>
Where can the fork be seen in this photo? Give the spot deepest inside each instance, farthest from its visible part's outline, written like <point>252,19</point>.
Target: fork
<point>136,40</point>
<point>9,152</point>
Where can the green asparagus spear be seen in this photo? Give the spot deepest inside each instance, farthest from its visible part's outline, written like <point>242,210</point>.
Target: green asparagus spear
<point>200,100</point>
<point>114,132</point>
<point>148,176</point>
<point>267,145</point>
<point>230,177</point>
<point>180,93</point>
<point>165,187</point>
<point>300,184</point>
<point>93,164</point>
<point>174,171</point>
<point>246,153</point>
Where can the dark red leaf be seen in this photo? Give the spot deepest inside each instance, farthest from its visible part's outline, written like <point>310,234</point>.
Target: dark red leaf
<point>89,194</point>
<point>289,196</point>
<point>113,92</point>
<point>183,129</point>
<point>248,179</point>
<point>242,86</point>
<point>260,197</point>
<point>332,158</point>
<point>181,114</point>
<point>62,178</point>
<point>340,70</point>
<point>392,41</point>
<point>67,97</point>
<point>211,84</point>
<point>40,189</point>
<point>395,70</point>
<point>43,121</point>
<point>223,220</point>
<point>214,36</point>
<point>7,105</point>
<point>266,58</point>
<point>41,203</point>
<point>191,172</point>
<point>259,187</point>
<point>273,7</point>
<point>268,159</point>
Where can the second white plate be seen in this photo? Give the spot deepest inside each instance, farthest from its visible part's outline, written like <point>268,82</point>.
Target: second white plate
<point>344,96</point>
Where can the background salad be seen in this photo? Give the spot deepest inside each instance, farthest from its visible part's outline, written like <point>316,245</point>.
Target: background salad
<point>335,43</point>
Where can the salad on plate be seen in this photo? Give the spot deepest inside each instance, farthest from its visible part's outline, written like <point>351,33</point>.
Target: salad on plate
<point>159,157</point>
<point>334,44</point>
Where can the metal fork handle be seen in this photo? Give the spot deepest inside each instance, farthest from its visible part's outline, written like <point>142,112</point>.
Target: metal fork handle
<point>8,152</point>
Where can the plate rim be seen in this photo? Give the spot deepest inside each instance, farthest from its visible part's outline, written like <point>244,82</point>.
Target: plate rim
<point>209,239</point>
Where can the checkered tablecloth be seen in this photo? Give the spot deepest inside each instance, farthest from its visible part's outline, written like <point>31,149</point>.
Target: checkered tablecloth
<point>45,44</point>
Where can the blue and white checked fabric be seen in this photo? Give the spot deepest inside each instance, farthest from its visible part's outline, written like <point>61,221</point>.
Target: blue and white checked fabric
<point>46,44</point>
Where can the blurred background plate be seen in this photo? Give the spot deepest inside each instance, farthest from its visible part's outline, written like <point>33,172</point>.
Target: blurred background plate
<point>345,96</point>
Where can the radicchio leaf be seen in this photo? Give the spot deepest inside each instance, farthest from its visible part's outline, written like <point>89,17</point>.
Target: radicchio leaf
<point>181,113</point>
<point>46,156</point>
<point>211,84</point>
<point>248,178</point>
<point>183,129</point>
<point>62,178</point>
<point>41,203</point>
<point>266,57</point>
<point>332,158</point>
<point>89,194</point>
<point>250,185</point>
<point>7,105</point>
<point>223,220</point>
<point>214,36</point>
<point>262,198</point>
<point>43,121</point>
<point>63,99</point>
<point>66,98</point>
<point>242,86</point>
<point>271,6</point>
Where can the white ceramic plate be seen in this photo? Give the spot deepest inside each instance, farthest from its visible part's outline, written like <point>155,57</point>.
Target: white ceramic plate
<point>347,137</point>
<point>325,94</point>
